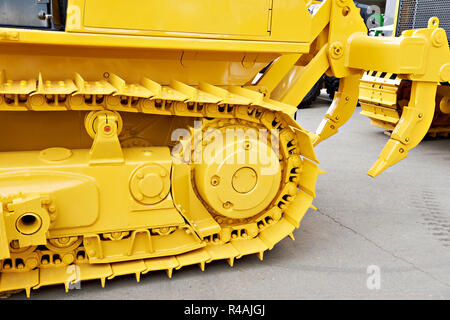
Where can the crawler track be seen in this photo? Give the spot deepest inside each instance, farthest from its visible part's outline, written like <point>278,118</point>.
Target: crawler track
<point>68,261</point>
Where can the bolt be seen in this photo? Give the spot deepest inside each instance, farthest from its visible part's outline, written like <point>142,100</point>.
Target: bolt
<point>164,229</point>
<point>215,180</point>
<point>336,50</point>
<point>227,205</point>
<point>116,235</point>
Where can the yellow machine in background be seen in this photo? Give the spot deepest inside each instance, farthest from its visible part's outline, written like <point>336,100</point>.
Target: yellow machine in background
<point>384,96</point>
<point>105,166</point>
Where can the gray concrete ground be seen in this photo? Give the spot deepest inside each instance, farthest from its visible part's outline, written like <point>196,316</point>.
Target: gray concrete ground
<point>398,222</point>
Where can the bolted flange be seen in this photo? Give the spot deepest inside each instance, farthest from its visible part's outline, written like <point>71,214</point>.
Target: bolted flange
<point>150,184</point>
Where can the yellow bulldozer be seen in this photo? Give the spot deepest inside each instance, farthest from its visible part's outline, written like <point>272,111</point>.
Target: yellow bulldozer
<point>135,138</point>
<point>383,96</point>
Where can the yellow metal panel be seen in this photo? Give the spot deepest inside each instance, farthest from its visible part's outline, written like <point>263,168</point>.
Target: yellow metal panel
<point>95,271</point>
<point>58,275</point>
<point>163,263</point>
<point>298,208</point>
<point>181,16</point>
<point>15,281</point>
<point>224,19</point>
<point>246,247</point>
<point>127,267</point>
<point>200,256</point>
<point>276,232</point>
<point>387,54</point>
<point>222,252</point>
<point>155,42</point>
<point>285,17</point>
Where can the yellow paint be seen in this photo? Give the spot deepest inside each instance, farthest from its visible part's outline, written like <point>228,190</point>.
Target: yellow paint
<point>90,182</point>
